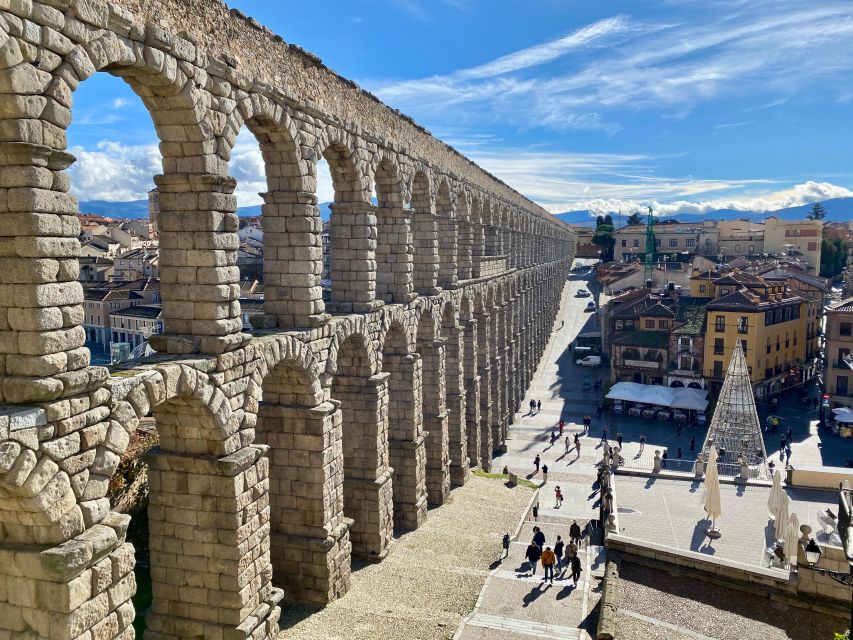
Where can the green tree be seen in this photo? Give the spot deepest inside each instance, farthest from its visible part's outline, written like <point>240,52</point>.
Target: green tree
<point>603,237</point>
<point>817,212</point>
<point>635,218</point>
<point>833,257</point>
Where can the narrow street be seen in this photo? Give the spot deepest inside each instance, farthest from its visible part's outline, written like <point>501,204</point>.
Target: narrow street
<point>514,604</point>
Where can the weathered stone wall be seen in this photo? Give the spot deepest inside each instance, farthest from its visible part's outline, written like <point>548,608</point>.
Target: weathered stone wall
<point>281,453</point>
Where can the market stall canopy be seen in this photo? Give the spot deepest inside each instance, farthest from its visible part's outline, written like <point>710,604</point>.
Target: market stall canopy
<point>674,398</point>
<point>843,414</point>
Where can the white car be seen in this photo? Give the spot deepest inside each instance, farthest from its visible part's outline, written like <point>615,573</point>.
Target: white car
<point>582,293</point>
<point>590,306</point>
<point>589,361</point>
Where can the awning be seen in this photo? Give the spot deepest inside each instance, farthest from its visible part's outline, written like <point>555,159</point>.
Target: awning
<point>843,414</point>
<point>675,398</point>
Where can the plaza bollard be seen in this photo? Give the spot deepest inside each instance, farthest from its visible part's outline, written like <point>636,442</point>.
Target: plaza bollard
<point>656,468</point>
<point>700,467</point>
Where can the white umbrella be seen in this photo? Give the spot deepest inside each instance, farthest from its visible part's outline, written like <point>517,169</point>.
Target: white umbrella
<point>712,491</point>
<point>776,493</point>
<point>781,523</point>
<point>792,540</point>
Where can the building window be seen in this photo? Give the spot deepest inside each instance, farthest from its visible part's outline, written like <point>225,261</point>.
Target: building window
<point>650,324</point>
<point>743,345</point>
<point>624,243</point>
<point>719,346</point>
<point>768,346</point>
<point>636,242</point>
<point>619,325</point>
<point>673,242</point>
<point>702,288</point>
<point>657,242</point>
<point>742,324</point>
<point>841,385</point>
<point>845,329</point>
<point>690,242</point>
<point>663,324</point>
<point>718,368</point>
<point>720,324</point>
<point>685,363</point>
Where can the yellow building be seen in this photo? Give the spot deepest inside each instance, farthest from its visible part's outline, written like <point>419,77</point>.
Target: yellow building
<point>769,320</point>
<point>796,238</point>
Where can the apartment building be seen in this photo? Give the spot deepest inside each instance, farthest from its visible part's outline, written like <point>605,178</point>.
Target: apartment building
<point>839,362</point>
<point>671,237</point>
<point>134,325</point>
<point>799,238</point>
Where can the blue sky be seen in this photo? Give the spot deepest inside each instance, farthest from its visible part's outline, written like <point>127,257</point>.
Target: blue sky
<point>689,105</point>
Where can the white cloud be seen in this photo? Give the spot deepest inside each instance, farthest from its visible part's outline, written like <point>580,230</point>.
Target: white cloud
<point>119,103</point>
<point>114,171</point>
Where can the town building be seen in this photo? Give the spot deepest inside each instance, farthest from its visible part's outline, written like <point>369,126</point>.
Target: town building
<point>739,238</point>
<point>798,238</point>
<point>839,362</point>
<point>584,248</point>
<point>136,264</point>
<point>135,324</point>
<point>671,238</point>
<point>770,321</point>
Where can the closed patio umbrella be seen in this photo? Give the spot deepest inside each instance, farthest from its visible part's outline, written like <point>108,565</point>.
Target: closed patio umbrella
<point>780,525</point>
<point>712,493</point>
<point>792,539</point>
<point>776,493</point>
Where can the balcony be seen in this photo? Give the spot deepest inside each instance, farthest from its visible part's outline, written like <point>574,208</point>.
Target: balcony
<point>641,364</point>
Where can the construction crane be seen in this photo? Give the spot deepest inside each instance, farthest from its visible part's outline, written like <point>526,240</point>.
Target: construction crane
<point>650,248</point>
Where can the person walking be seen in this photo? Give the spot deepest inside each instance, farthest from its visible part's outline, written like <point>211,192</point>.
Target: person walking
<point>619,439</point>
<point>567,445</point>
<point>663,459</point>
<point>558,494</point>
<point>693,445</point>
<point>538,537</point>
<point>575,532</point>
<point>536,462</point>
<point>548,561</point>
<point>532,405</point>
<point>571,552</point>
<point>642,442</point>
<point>533,554</point>
<point>559,547</point>
<point>576,569</point>
<point>538,406</point>
<point>562,424</point>
<point>604,435</point>
<point>505,544</point>
<point>544,474</point>
<point>578,447</point>
<point>536,512</point>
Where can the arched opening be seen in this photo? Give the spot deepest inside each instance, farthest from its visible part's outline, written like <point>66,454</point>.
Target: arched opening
<point>352,235</point>
<point>431,350</point>
<point>471,384</point>
<point>465,236</point>
<point>497,348</point>
<point>367,486</point>
<point>407,451</point>
<point>484,369</point>
<point>451,335</point>
<point>694,385</point>
<point>478,238</point>
<point>676,384</point>
<point>305,485</point>
<point>425,234</point>
<point>394,251</point>
<point>447,240</point>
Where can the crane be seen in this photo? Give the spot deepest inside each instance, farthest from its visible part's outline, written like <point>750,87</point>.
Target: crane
<point>650,247</point>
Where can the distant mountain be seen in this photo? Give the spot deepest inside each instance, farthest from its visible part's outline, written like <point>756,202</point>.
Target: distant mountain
<point>837,210</point>
<point>135,209</point>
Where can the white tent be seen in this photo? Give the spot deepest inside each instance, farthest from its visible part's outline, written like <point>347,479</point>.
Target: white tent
<point>676,398</point>
<point>630,391</point>
<point>692,399</point>
<point>843,414</point>
<point>712,490</point>
<point>780,525</point>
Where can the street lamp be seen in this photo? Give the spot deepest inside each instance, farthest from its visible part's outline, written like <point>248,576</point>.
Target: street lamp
<point>813,553</point>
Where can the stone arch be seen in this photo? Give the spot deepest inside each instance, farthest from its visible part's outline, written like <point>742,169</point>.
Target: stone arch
<point>430,347</point>
<point>676,384</point>
<point>394,250</point>
<point>405,419</point>
<point>465,235</point>
<point>447,235</point>
<point>425,234</point>
<point>362,397</point>
<point>454,352</point>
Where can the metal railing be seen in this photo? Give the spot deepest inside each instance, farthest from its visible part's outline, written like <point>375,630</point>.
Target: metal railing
<point>728,470</point>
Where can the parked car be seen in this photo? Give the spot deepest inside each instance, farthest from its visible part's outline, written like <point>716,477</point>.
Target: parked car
<point>582,293</point>
<point>589,361</point>
<point>590,306</point>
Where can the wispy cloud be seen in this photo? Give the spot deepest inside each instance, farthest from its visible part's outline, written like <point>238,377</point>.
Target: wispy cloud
<point>731,125</point>
<point>412,8</point>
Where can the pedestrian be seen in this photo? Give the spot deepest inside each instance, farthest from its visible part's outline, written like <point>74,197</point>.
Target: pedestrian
<point>548,560</point>
<point>782,443</point>
<point>538,537</point>
<point>506,470</point>
<point>553,436</point>
<point>604,435</point>
<point>536,512</point>
<point>538,406</point>
<point>558,552</point>
<point>532,404</point>
<point>578,447</point>
<point>576,569</point>
<point>679,453</point>
<point>693,444</point>
<point>544,474</point>
<point>599,410</point>
<point>619,439</point>
<point>558,494</point>
<point>562,424</point>
<point>788,454</point>
<point>575,532</point>
<point>663,459</point>
<point>642,442</point>
<point>536,462</point>
<point>533,554</point>
<point>571,552</point>
<point>567,445</point>
<point>505,544</point>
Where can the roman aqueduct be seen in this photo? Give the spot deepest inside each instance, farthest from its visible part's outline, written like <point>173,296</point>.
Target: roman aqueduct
<point>285,451</point>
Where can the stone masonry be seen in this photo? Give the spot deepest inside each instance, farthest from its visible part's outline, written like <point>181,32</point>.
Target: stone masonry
<point>284,452</point>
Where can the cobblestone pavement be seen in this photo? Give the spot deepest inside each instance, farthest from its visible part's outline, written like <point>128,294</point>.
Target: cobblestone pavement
<point>655,605</point>
<point>514,603</point>
<point>430,578</point>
